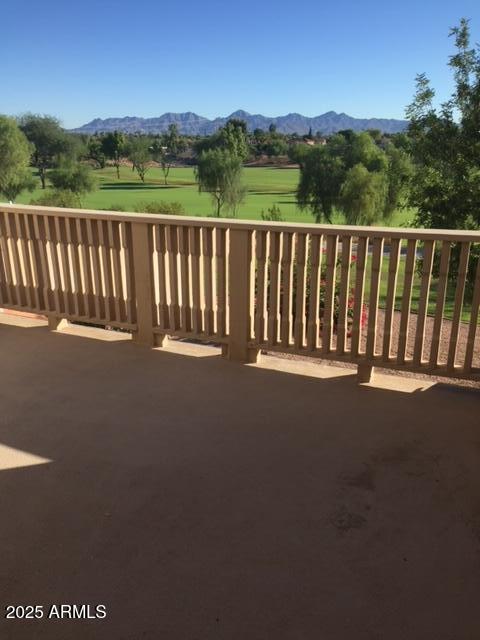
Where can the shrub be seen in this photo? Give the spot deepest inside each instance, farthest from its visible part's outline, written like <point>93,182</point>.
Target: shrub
<point>165,208</point>
<point>58,198</point>
<point>273,214</point>
<point>114,207</point>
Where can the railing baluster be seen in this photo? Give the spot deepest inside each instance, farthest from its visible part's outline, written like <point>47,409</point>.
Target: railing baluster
<point>274,293</point>
<point>185,308</point>
<point>313,323</point>
<point>300,293</point>
<point>161,255</point>
<point>63,268</point>
<point>24,259</point>
<point>473,325</point>
<point>52,257</point>
<point>406,300</point>
<point>428,252</point>
<point>106,271</point>
<point>261,301</point>
<point>16,272</point>
<point>393,261</point>
<point>194,242</point>
<point>286,303</point>
<point>91,304</point>
<point>9,290</point>
<point>342,324</point>
<point>221,279</point>
<point>95,269</point>
<point>172,249</point>
<point>457,309</point>
<point>440,303</point>
<point>35,262</point>
<point>74,268</point>
<point>114,259</point>
<point>41,240</point>
<point>127,253</point>
<point>207,245</point>
<point>330,286</point>
<point>360,271</point>
<point>376,274</point>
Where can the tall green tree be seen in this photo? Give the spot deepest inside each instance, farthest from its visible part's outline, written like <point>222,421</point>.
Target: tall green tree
<point>113,146</point>
<point>362,196</point>
<point>140,155</point>
<point>399,173</point>
<point>218,173</point>
<point>49,141</point>
<point>321,177</point>
<point>352,174</point>
<point>95,151</point>
<point>73,176</point>
<point>233,137</point>
<point>445,145</point>
<point>166,149</point>
<point>15,152</point>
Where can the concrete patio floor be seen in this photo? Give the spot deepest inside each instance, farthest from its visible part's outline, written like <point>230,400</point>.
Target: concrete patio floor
<point>201,499</point>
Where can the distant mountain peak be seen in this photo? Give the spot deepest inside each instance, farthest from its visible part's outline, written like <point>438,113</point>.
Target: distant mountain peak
<point>190,123</point>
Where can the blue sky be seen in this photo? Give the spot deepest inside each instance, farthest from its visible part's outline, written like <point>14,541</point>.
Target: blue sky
<point>80,60</point>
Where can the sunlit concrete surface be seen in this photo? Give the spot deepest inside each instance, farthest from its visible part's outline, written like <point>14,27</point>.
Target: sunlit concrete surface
<point>199,499</point>
<point>13,458</point>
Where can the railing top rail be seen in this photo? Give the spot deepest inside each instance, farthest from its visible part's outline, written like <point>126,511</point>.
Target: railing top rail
<point>249,225</point>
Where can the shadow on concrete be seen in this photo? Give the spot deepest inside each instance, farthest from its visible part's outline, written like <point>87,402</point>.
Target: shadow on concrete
<point>198,498</point>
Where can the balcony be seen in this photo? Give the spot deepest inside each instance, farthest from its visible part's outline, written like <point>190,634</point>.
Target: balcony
<point>200,491</point>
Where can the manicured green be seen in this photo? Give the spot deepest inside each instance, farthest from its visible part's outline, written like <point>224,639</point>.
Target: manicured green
<point>266,186</point>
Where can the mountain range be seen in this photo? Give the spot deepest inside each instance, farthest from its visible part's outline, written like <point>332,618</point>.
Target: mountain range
<point>192,124</point>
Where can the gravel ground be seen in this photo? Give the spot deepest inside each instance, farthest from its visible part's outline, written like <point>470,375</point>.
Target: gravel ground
<point>443,351</point>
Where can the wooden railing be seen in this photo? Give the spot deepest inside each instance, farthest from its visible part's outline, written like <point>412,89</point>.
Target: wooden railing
<point>365,295</point>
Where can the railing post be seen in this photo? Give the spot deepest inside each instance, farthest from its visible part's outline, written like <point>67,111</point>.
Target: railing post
<point>142,264</point>
<point>57,324</point>
<point>241,297</point>
<point>364,373</point>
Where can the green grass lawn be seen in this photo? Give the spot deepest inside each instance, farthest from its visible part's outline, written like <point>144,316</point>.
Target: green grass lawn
<point>266,186</point>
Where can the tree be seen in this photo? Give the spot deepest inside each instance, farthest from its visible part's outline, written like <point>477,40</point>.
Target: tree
<point>95,151</point>
<point>73,176</point>
<point>275,145</point>
<point>167,149</point>
<point>233,137</point>
<point>362,197</point>
<point>445,145</point>
<point>321,178</point>
<point>139,154</point>
<point>113,145</point>
<point>49,140</point>
<point>399,171</point>
<point>354,174</point>
<point>15,152</point>
<point>219,173</point>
